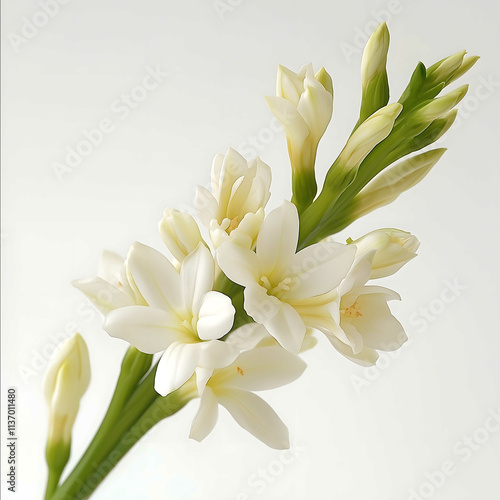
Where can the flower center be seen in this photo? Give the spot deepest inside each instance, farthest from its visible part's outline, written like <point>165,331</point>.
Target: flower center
<point>190,327</point>
<point>353,311</point>
<point>276,290</point>
<point>233,225</point>
<point>229,224</point>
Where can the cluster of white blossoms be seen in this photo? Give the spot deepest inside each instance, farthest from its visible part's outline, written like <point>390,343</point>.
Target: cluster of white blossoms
<point>173,307</point>
<point>245,291</point>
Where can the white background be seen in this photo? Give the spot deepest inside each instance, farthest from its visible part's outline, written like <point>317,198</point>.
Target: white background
<point>358,434</point>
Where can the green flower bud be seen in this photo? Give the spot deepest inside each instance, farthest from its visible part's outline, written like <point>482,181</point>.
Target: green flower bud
<point>389,184</point>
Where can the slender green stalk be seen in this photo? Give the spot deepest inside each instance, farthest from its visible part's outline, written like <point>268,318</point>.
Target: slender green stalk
<point>52,482</point>
<point>57,456</point>
<point>134,365</point>
<point>124,436</point>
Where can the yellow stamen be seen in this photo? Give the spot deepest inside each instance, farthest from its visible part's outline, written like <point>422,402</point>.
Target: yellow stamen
<point>352,311</point>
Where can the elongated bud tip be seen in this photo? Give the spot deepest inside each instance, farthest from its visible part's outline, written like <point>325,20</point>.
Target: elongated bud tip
<point>392,110</point>
<point>442,105</point>
<point>180,233</point>
<point>65,382</point>
<point>389,184</point>
<point>466,65</point>
<point>372,131</point>
<point>325,79</point>
<point>375,54</point>
<point>443,70</point>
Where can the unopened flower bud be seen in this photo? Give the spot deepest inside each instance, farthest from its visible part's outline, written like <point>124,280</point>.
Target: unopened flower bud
<point>443,70</point>
<point>304,106</point>
<point>372,131</point>
<point>441,105</point>
<point>65,382</point>
<point>180,233</point>
<point>392,250</point>
<point>375,55</point>
<point>389,184</point>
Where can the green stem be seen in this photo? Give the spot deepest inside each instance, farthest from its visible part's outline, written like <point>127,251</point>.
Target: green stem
<point>304,187</point>
<point>52,482</point>
<point>57,455</point>
<point>132,405</point>
<point>134,365</point>
<point>125,435</point>
<point>317,219</point>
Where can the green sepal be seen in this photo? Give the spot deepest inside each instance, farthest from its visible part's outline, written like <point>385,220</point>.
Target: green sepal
<point>376,96</point>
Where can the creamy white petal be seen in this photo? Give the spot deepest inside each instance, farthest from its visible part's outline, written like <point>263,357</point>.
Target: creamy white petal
<point>239,264</point>
<point>216,178</point>
<point>315,106</point>
<point>245,235</point>
<point>277,240</point>
<point>264,176</point>
<point>261,369</point>
<point>217,354</point>
<point>289,116</point>
<point>176,366</point>
<point>197,277</point>
<point>148,329</point>
<point>320,268</point>
<point>202,377</point>
<point>239,194</point>
<point>333,328</point>
<point>353,337</point>
<point>358,275</point>
<point>233,167</point>
<point>111,267</point>
<point>103,295</point>
<point>310,341</point>
<point>216,316</point>
<point>155,277</point>
<point>206,416</point>
<point>256,416</point>
<point>247,336</point>
<point>289,85</point>
<point>180,233</point>
<point>386,293</point>
<point>367,357</point>
<point>280,319</point>
<point>379,328</point>
<point>206,205</point>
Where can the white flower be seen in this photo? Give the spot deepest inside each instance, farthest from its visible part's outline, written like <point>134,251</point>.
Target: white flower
<point>393,249</point>
<point>185,317</point>
<point>274,276</point>
<point>304,106</point>
<point>180,233</point>
<point>112,288</point>
<point>363,321</point>
<point>254,370</point>
<point>65,382</point>
<point>253,335</point>
<point>240,191</point>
